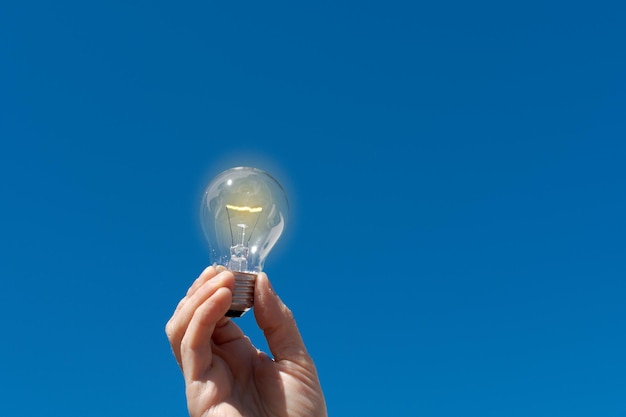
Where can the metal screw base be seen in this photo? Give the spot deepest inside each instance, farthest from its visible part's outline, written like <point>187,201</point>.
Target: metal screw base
<point>243,295</point>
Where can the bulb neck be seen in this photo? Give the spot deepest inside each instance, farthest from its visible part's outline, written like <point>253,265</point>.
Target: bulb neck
<point>243,294</point>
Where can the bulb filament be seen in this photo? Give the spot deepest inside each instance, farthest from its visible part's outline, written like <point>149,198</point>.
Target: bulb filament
<point>239,251</point>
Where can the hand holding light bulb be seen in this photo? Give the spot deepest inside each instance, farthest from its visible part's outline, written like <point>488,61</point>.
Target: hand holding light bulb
<point>225,375</point>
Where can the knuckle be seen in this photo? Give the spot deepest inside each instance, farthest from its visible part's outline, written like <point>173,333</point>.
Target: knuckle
<point>169,329</point>
<point>288,314</point>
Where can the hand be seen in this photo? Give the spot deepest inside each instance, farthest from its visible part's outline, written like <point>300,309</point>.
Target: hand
<point>225,375</point>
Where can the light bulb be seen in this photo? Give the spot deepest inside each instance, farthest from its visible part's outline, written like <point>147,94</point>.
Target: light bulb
<point>243,213</point>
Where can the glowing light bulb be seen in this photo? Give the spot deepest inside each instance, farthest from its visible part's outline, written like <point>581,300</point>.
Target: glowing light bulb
<point>243,213</point>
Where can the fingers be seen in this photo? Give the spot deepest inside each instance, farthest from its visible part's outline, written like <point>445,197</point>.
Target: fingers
<point>208,273</point>
<point>278,324</point>
<point>226,331</point>
<point>200,293</point>
<point>195,347</point>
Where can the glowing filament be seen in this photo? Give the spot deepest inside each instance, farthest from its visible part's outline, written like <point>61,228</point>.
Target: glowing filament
<point>244,208</point>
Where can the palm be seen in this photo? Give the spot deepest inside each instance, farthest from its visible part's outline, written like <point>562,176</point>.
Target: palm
<point>246,382</point>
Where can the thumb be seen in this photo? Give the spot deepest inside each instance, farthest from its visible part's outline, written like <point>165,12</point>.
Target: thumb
<point>278,325</point>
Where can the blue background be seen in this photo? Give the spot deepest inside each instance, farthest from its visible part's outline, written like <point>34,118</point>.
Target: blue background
<point>455,170</point>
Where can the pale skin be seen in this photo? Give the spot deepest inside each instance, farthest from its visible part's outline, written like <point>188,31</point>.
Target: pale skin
<point>225,375</point>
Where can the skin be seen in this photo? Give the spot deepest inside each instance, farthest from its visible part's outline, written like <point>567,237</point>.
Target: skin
<point>225,375</point>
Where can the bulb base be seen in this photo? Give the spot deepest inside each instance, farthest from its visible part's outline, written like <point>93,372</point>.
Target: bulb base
<point>243,294</point>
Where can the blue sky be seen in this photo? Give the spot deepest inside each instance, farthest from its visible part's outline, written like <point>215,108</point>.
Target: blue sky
<point>456,179</point>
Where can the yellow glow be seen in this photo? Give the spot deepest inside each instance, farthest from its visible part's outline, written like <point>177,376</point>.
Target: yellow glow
<point>245,208</point>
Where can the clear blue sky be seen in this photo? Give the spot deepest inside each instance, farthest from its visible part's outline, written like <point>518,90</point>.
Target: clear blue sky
<point>455,170</point>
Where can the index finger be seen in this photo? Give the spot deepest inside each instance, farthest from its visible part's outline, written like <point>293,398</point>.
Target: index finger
<point>178,324</point>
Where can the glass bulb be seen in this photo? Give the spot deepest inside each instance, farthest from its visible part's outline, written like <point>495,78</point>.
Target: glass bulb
<point>243,213</point>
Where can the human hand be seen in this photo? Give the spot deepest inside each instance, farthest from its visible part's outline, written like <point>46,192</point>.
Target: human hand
<point>225,375</point>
